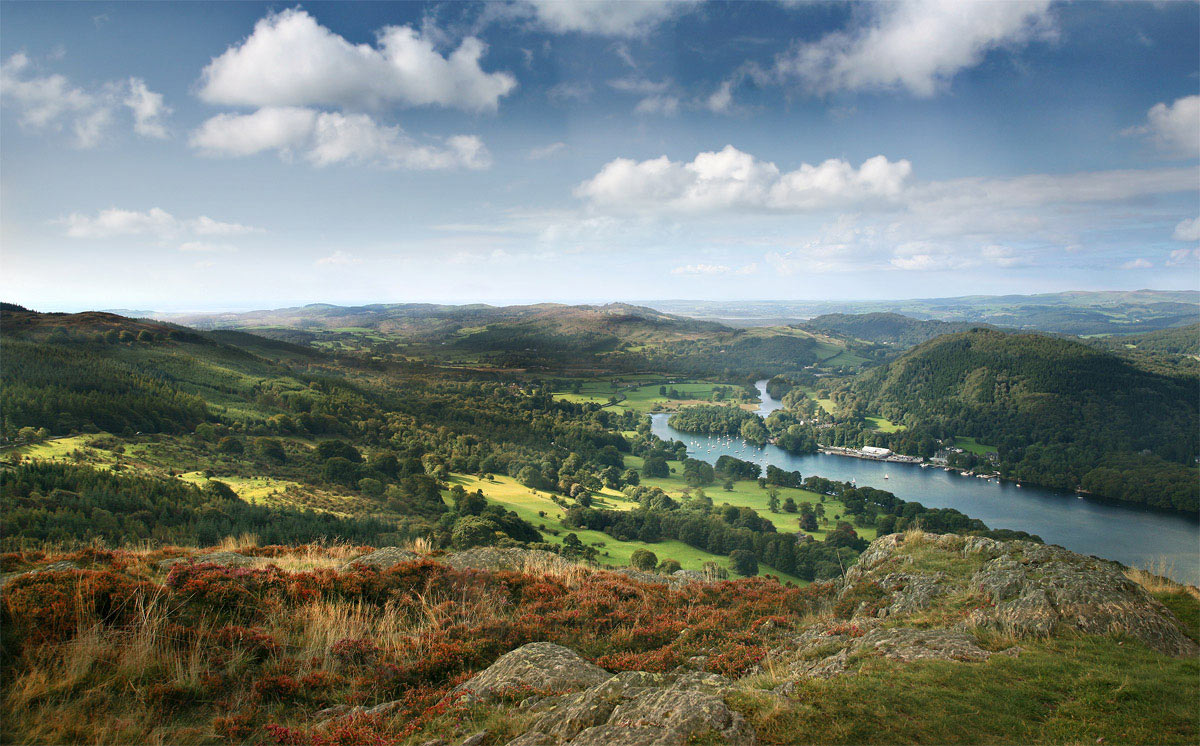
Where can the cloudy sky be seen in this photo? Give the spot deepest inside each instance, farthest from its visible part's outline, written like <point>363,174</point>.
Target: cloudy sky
<point>238,155</point>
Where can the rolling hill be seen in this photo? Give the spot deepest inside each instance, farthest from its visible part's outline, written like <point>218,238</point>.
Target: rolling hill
<point>886,328</point>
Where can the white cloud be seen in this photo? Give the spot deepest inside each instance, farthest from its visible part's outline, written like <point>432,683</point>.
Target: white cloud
<point>1187,230</point>
<point>566,92</point>
<point>918,45</point>
<point>665,105</point>
<point>51,103</point>
<point>1184,256</point>
<point>155,222</point>
<point>730,179</point>
<point>148,109</point>
<point>291,60</point>
<point>547,151</point>
<point>1137,264</point>
<point>1174,128</point>
<point>327,138</point>
<point>720,101</point>
<point>338,258</point>
<point>605,17</point>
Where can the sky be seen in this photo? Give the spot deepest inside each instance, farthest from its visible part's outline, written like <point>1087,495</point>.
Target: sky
<point>194,156</point>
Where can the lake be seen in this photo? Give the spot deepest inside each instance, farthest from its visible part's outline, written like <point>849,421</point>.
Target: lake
<point>1135,536</point>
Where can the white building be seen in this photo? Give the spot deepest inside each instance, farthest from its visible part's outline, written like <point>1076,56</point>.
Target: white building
<point>877,452</point>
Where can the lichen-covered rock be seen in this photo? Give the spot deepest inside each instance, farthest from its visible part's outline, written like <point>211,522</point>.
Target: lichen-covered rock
<point>538,666</point>
<point>628,708</point>
<point>907,644</point>
<point>1019,587</point>
<point>60,566</point>
<point>668,717</point>
<point>507,558</point>
<point>689,576</point>
<point>384,558</point>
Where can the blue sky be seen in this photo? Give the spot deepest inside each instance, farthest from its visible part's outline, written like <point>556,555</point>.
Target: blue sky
<point>238,155</point>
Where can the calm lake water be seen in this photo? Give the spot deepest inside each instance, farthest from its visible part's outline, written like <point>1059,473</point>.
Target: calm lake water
<point>1134,536</point>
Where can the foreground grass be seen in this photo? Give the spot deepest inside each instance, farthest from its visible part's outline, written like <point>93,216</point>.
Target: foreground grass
<point>1073,691</point>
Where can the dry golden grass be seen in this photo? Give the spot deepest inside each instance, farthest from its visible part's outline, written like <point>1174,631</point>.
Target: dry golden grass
<point>1154,580</point>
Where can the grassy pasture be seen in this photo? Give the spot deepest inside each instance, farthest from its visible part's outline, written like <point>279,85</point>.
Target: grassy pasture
<point>970,445</point>
<point>528,503</point>
<point>642,398</point>
<point>884,425</point>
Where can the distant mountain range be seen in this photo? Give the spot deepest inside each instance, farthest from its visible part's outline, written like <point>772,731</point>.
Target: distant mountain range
<point>1076,312</point>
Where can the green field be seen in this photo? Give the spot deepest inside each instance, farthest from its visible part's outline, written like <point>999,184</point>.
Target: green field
<point>884,425</point>
<point>827,404</point>
<point>747,493</point>
<point>528,503</point>
<point>970,445</point>
<point>641,398</point>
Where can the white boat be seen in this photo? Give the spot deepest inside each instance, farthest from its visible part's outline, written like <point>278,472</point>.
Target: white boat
<point>885,476</point>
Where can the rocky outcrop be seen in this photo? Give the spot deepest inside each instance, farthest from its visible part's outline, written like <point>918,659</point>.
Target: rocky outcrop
<point>1016,587</point>
<point>636,708</point>
<point>538,666</point>
<point>383,558</point>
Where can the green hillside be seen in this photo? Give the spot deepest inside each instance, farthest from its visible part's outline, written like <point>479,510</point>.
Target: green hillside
<point>1062,413</point>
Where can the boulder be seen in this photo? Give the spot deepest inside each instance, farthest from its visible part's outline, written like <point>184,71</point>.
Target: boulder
<point>383,558</point>
<point>907,644</point>
<point>539,666</point>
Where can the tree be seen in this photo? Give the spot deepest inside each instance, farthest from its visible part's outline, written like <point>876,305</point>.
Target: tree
<point>271,450</point>
<point>744,563</point>
<point>656,466</point>
<point>643,559</point>
<point>328,449</point>
<point>473,531</point>
<point>669,567</point>
<point>230,444</point>
<point>773,502</point>
<point>789,505</point>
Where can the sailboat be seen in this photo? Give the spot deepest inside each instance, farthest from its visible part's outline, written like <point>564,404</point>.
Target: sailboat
<point>885,476</point>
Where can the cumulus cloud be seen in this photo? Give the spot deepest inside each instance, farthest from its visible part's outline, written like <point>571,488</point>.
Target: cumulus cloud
<point>1174,128</point>
<point>328,138</point>
<point>731,179</point>
<point>605,17</point>
<point>51,103</point>
<point>1137,264</point>
<point>917,45</point>
<point>1183,256</point>
<point>148,109</point>
<point>155,223</point>
<point>1187,230</point>
<point>290,60</point>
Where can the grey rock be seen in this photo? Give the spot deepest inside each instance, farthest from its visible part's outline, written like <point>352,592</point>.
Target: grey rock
<point>690,576</point>
<point>435,742</point>
<point>384,558</point>
<point>536,666</point>
<point>476,739</point>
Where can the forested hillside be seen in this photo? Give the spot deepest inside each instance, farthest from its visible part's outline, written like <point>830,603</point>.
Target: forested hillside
<point>1062,413</point>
